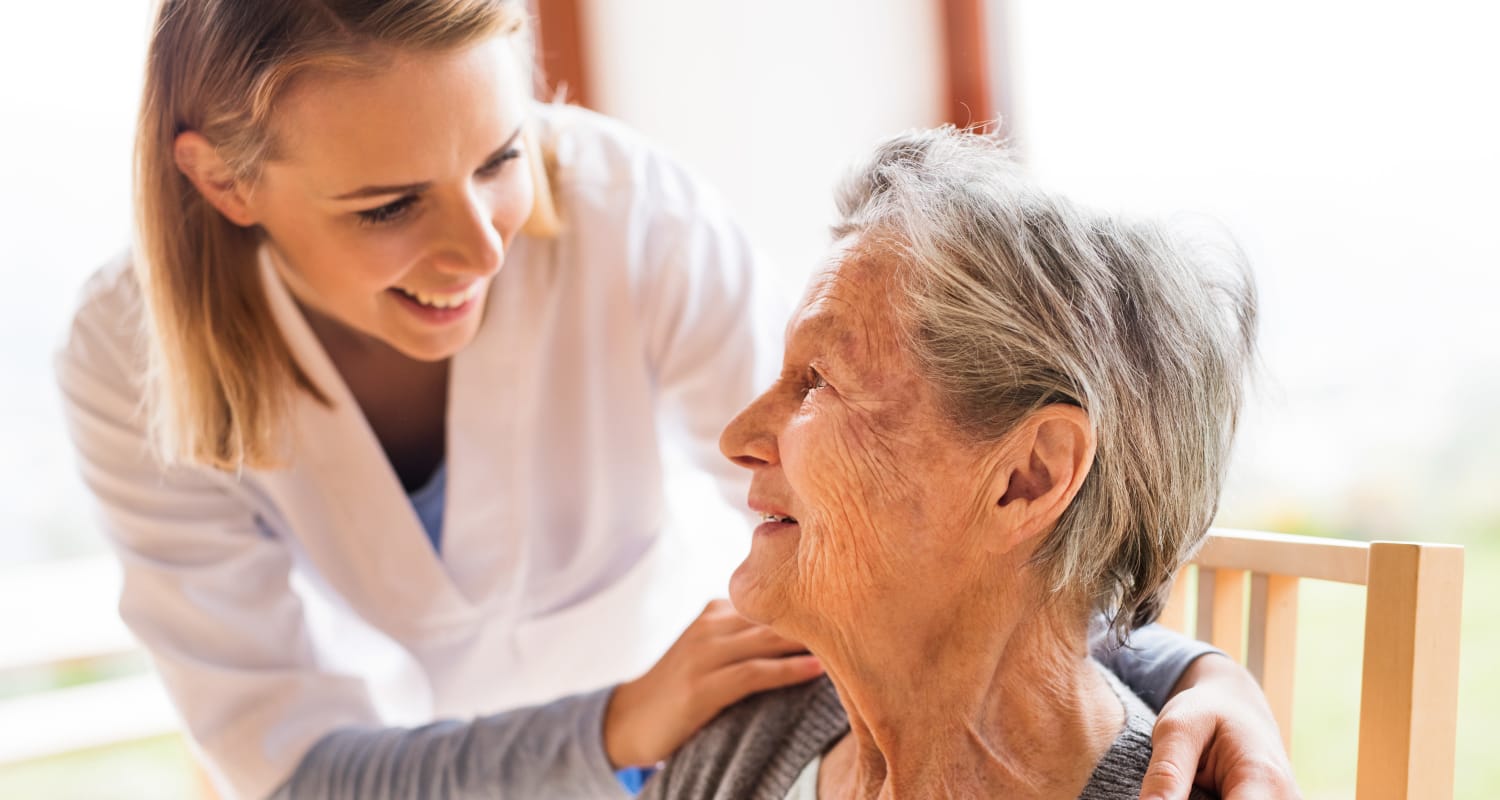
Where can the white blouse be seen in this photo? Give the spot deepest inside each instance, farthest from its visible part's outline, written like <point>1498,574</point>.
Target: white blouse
<point>582,420</point>
<point>806,785</point>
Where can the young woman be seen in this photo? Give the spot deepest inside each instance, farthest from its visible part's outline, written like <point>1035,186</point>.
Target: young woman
<point>360,477</point>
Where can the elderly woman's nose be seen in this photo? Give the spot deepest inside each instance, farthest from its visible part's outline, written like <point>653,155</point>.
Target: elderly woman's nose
<point>748,440</point>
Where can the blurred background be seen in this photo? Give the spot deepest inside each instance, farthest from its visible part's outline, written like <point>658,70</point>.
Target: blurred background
<point>1349,148</point>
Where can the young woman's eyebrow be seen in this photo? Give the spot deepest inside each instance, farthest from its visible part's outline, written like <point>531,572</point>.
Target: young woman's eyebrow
<point>414,188</point>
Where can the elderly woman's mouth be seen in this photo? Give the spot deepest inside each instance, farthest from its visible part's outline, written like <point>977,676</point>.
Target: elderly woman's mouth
<point>774,523</point>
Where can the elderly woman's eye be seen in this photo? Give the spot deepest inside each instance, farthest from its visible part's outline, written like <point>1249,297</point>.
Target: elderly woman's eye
<point>815,380</point>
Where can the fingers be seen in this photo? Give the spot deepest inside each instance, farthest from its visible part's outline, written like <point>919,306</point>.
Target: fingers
<point>1252,778</point>
<point>719,618</point>
<point>744,678</point>
<point>721,636</point>
<point>758,642</point>
<point>717,661</point>
<point>1219,733</point>
<point>1176,745</point>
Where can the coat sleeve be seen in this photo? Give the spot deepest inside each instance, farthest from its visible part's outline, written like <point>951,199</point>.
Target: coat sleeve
<point>713,312</point>
<point>555,750</point>
<point>204,590</point>
<point>207,592</point>
<point>1151,660</point>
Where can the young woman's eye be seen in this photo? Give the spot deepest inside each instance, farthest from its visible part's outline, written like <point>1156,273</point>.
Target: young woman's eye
<point>388,213</point>
<point>493,166</point>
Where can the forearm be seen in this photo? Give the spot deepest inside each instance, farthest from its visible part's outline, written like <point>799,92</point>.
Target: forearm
<point>1221,673</point>
<point>1155,662</point>
<point>555,750</point>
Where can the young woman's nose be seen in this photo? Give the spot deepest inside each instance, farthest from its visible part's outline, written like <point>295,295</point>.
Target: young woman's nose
<point>472,242</point>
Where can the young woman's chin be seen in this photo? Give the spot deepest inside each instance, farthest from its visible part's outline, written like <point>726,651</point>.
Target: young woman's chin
<point>431,348</point>
<point>424,336</point>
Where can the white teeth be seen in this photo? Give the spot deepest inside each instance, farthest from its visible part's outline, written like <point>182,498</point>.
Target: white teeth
<point>775,518</point>
<point>453,300</point>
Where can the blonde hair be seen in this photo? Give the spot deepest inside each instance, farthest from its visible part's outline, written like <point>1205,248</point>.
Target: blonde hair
<point>221,375</point>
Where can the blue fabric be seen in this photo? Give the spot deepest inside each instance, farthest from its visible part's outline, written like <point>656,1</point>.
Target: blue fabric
<point>634,778</point>
<point>428,502</point>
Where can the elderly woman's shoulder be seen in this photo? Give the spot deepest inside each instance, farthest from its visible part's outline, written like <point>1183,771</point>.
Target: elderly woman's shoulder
<point>757,747</point>
<point>1122,770</point>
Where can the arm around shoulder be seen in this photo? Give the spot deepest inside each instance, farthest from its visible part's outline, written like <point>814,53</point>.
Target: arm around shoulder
<point>207,592</point>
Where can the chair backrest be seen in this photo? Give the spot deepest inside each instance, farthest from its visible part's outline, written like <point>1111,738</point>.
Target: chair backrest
<point>1408,710</point>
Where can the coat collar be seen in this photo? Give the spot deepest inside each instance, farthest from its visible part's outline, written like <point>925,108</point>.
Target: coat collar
<point>347,509</point>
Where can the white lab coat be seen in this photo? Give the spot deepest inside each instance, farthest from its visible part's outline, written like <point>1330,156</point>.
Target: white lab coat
<point>278,605</point>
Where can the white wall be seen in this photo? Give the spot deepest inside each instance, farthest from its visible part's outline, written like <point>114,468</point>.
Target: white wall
<point>69,82</point>
<point>770,101</point>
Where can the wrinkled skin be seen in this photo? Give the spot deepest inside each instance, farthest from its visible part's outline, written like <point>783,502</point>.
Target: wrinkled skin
<point>883,494</point>
<point>905,569</point>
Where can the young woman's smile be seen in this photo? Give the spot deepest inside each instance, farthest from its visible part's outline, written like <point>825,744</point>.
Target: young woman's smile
<point>396,194</point>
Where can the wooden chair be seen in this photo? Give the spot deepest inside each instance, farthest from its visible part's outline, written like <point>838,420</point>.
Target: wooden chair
<point>1408,710</point>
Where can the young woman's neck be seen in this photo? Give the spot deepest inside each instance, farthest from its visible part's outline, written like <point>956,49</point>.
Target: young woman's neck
<point>403,400</point>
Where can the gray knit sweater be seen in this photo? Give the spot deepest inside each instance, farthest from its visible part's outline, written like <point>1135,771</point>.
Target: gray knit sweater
<point>756,749</point>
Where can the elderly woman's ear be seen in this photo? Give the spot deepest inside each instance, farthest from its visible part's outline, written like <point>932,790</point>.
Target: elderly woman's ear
<point>1043,463</point>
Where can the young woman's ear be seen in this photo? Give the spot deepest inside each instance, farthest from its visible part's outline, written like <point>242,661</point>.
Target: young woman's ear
<point>1046,459</point>
<point>200,162</point>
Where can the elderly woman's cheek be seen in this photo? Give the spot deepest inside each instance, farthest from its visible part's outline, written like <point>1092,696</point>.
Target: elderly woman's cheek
<point>825,582</point>
<point>853,546</point>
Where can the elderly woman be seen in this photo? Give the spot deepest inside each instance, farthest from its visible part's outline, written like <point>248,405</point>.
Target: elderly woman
<point>1000,417</point>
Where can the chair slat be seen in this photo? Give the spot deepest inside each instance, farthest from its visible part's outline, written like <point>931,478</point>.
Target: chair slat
<point>1408,710</point>
<point>1174,614</point>
<point>1409,700</point>
<point>1204,623</point>
<point>1225,614</point>
<point>1271,647</point>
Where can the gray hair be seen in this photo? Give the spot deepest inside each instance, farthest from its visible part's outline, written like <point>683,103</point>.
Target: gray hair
<point>1012,298</point>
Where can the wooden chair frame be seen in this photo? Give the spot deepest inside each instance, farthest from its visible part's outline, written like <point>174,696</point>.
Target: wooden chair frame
<point>1408,710</point>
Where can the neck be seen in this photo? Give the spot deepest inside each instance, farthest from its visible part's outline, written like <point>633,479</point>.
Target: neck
<point>343,343</point>
<point>1010,706</point>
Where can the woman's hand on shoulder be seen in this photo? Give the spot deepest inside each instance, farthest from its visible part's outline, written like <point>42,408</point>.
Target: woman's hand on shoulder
<point>719,660</point>
<point>1217,731</point>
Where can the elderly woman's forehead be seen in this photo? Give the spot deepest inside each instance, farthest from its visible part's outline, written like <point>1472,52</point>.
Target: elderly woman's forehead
<point>852,272</point>
<point>848,300</point>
